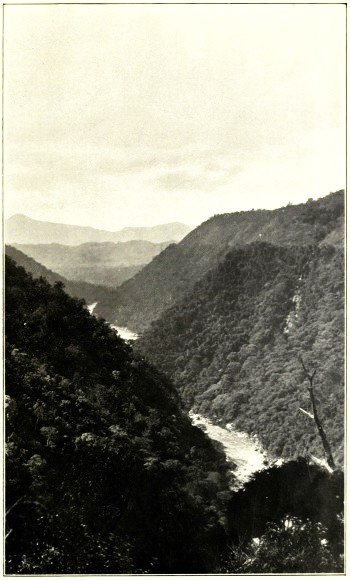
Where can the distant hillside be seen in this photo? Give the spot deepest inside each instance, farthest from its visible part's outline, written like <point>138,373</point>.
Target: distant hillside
<point>20,229</point>
<point>89,292</point>
<point>232,345</point>
<point>111,277</point>
<point>175,271</point>
<point>106,263</point>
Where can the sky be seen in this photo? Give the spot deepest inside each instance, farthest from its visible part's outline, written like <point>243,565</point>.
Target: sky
<point>136,115</point>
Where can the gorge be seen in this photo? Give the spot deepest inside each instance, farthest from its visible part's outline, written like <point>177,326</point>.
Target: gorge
<point>187,403</point>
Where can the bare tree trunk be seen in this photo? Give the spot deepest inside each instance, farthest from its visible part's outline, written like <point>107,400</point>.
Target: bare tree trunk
<point>326,446</point>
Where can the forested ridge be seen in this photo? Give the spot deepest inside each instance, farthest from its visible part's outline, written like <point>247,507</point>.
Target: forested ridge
<point>174,272</point>
<point>104,471</point>
<point>232,346</point>
<point>89,292</point>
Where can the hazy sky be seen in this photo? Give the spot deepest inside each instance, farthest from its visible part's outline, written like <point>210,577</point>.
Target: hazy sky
<point>120,115</point>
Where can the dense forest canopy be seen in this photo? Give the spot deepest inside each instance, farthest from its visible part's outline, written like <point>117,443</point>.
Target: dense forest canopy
<point>232,345</point>
<point>105,472</point>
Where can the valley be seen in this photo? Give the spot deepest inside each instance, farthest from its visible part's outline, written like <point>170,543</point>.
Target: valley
<point>186,388</point>
<point>243,453</point>
<point>237,302</point>
<point>102,263</point>
<point>175,315</point>
<point>175,271</point>
<point>226,349</point>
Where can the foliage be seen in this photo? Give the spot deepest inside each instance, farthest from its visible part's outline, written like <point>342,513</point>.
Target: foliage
<point>232,345</point>
<point>296,488</point>
<point>292,546</point>
<point>287,519</point>
<point>105,473</point>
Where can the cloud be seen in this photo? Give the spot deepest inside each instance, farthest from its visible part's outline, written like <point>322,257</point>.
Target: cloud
<point>184,180</point>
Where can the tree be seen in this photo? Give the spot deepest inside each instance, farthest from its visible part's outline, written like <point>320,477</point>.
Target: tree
<point>326,446</point>
<point>290,546</point>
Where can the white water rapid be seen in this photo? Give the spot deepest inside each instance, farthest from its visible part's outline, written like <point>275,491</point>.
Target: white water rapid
<point>244,451</point>
<point>123,331</point>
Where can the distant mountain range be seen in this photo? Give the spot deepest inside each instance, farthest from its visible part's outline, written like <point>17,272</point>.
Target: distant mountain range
<point>105,263</point>
<point>175,271</point>
<point>21,229</point>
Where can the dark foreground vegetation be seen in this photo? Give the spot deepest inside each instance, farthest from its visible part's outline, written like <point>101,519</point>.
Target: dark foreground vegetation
<point>287,519</point>
<point>105,473</point>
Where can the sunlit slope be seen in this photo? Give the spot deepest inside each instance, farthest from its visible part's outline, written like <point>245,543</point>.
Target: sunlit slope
<point>175,271</point>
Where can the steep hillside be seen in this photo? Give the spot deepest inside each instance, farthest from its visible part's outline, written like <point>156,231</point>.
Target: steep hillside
<point>89,292</point>
<point>20,229</point>
<point>105,473</point>
<point>175,271</point>
<point>232,345</point>
<point>97,263</point>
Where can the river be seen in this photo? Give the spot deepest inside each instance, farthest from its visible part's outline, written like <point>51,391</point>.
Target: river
<point>123,331</point>
<point>241,449</point>
<point>244,451</point>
